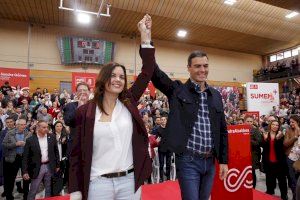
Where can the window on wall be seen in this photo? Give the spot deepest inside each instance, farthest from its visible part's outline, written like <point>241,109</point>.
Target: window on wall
<point>272,58</point>
<point>279,56</point>
<point>287,54</point>
<point>295,52</point>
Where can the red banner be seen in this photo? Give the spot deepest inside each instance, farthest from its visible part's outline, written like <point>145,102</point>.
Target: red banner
<point>150,88</point>
<point>89,78</point>
<point>15,77</point>
<point>238,183</point>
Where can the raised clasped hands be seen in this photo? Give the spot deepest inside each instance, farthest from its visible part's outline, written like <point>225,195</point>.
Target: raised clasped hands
<point>144,27</point>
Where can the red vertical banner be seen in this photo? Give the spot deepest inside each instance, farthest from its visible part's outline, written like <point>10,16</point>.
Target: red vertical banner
<point>15,77</point>
<point>150,88</point>
<point>238,183</point>
<point>89,78</point>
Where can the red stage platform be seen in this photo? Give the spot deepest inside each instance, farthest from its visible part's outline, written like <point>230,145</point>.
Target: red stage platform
<point>170,191</point>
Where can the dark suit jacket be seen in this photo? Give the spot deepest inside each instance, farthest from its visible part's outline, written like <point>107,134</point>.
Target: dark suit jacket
<point>184,105</point>
<point>32,156</point>
<point>69,113</point>
<point>82,150</point>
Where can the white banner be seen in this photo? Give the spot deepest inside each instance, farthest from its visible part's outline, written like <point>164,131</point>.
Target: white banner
<point>262,97</point>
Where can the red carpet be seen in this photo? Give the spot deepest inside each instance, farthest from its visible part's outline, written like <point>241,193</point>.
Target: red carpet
<point>170,191</point>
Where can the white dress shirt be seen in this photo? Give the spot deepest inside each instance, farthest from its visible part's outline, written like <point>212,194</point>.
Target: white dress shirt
<point>112,142</point>
<point>43,142</point>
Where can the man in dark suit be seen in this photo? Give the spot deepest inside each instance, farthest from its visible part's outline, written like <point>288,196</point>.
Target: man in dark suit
<point>40,159</point>
<point>196,129</point>
<point>82,96</point>
<point>163,155</point>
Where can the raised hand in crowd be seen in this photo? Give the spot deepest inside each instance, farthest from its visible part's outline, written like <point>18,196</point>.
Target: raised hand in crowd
<point>279,135</point>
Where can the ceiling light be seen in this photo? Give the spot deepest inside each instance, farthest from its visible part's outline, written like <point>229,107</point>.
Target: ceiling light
<point>181,33</point>
<point>291,15</point>
<point>230,2</point>
<point>83,18</point>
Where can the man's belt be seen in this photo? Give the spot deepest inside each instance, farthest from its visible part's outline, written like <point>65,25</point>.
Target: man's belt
<point>117,174</point>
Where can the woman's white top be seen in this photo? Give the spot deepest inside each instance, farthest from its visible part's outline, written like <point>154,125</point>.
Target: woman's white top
<point>295,153</point>
<point>112,142</point>
<point>59,145</point>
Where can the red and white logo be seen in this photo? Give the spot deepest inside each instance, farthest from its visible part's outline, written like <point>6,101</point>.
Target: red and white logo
<point>236,179</point>
<point>254,86</point>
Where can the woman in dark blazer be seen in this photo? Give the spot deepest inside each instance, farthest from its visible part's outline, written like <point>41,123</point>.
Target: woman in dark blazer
<point>274,160</point>
<point>111,144</point>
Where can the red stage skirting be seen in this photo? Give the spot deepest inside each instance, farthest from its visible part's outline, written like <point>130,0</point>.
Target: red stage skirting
<point>170,191</point>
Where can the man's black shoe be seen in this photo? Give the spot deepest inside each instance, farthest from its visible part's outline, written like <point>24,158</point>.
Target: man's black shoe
<point>3,194</point>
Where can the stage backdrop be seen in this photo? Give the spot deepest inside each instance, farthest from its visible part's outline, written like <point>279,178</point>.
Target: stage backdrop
<point>262,97</point>
<point>89,78</point>
<point>238,183</point>
<point>15,77</point>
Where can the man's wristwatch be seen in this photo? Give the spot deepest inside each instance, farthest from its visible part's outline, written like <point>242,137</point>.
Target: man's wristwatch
<point>146,42</point>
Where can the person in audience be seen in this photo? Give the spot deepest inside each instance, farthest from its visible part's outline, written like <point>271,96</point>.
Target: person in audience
<point>291,144</point>
<point>274,160</point>
<point>10,125</point>
<point>163,155</point>
<point>13,148</point>
<point>62,140</point>
<point>69,111</point>
<point>111,140</point>
<point>40,159</point>
<point>44,116</point>
<point>37,93</point>
<point>6,87</point>
<point>256,141</point>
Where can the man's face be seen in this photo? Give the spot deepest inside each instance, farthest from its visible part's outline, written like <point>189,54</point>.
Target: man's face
<point>42,128</point>
<point>163,121</point>
<point>11,94</point>
<point>82,92</point>
<point>21,125</point>
<point>55,91</point>
<point>199,69</point>
<point>25,93</point>
<point>44,111</point>
<point>249,121</point>
<point>18,110</point>
<point>157,121</point>
<point>10,123</point>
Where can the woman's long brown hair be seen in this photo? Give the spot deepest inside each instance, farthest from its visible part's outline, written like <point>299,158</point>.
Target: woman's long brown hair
<point>103,78</point>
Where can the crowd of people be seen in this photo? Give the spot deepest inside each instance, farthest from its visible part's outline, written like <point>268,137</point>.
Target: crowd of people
<point>289,64</point>
<point>83,140</point>
<point>21,111</point>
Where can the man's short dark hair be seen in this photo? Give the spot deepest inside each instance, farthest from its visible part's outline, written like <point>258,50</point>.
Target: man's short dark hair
<point>9,117</point>
<point>82,83</point>
<point>195,54</point>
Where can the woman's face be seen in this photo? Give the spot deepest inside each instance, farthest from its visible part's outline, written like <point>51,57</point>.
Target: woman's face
<point>274,126</point>
<point>293,124</point>
<point>58,127</point>
<point>117,81</point>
